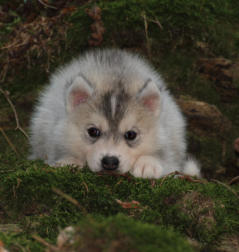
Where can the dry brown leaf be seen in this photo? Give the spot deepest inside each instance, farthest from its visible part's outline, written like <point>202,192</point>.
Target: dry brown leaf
<point>2,249</point>
<point>97,27</point>
<point>128,205</point>
<point>94,13</point>
<point>40,36</point>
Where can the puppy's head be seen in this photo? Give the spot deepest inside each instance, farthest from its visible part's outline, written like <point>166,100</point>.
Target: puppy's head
<point>110,129</point>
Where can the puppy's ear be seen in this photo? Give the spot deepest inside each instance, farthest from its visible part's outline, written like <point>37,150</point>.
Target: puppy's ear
<point>149,96</point>
<point>78,93</point>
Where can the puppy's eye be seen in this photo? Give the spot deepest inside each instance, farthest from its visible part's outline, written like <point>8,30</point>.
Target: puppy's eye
<point>130,135</point>
<point>94,132</point>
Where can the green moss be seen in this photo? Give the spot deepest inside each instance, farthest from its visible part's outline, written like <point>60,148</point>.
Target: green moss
<point>19,242</point>
<point>28,197</point>
<point>123,233</point>
<point>118,232</point>
<point>180,20</point>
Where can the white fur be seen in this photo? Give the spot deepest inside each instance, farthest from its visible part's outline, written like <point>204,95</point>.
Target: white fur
<point>66,236</point>
<point>147,167</point>
<point>59,131</point>
<point>113,105</point>
<point>191,167</point>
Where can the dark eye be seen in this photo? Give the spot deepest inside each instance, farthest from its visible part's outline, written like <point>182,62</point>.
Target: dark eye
<point>130,135</point>
<point>94,132</point>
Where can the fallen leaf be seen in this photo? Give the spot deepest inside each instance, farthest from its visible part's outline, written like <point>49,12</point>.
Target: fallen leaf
<point>97,27</point>
<point>128,205</point>
<point>2,249</point>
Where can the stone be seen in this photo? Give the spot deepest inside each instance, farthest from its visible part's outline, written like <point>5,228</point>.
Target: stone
<point>203,117</point>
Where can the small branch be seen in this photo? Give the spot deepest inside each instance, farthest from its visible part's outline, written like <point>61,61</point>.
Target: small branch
<point>168,175</point>
<point>183,176</point>
<point>45,243</point>
<point>148,46</point>
<point>86,187</point>
<point>13,45</point>
<point>4,70</point>
<point>156,21</point>
<point>233,180</point>
<point>9,142</point>
<point>5,228</point>
<point>47,5</point>
<point>227,186</point>
<point>69,198</point>
<point>7,171</point>
<point>6,95</point>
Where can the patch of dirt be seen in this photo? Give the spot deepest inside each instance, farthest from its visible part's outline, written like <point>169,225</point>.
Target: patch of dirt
<point>199,208</point>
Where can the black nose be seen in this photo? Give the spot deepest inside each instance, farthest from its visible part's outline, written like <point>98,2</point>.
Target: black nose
<point>110,162</point>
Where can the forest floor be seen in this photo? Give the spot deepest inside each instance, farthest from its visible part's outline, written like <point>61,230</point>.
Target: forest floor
<point>195,46</point>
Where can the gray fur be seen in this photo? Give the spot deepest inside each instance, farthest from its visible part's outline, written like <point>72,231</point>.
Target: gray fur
<point>122,99</point>
<point>143,87</point>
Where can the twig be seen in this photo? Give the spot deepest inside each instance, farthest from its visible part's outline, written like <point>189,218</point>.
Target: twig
<point>234,180</point>
<point>7,171</point>
<point>190,179</point>
<point>168,175</point>
<point>4,70</point>
<point>45,243</point>
<point>156,21</point>
<point>13,45</point>
<point>6,95</point>
<point>148,46</point>
<point>17,245</point>
<point>182,176</point>
<point>47,5</point>
<point>9,141</point>
<point>86,187</point>
<point>112,173</point>
<point>153,182</point>
<point>69,198</point>
<point>227,186</point>
<point>5,228</point>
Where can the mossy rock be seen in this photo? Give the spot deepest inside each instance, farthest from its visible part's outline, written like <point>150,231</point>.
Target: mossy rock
<point>120,233</point>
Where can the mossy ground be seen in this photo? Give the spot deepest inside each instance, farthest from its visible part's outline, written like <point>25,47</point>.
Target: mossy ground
<point>172,212</point>
<point>204,212</point>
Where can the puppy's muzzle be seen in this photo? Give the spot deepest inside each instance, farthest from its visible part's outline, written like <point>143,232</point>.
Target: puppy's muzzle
<point>110,163</point>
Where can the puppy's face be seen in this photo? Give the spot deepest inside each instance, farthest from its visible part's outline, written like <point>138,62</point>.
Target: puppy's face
<point>111,130</point>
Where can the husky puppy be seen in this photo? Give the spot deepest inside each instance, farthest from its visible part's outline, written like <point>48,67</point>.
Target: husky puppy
<point>110,110</point>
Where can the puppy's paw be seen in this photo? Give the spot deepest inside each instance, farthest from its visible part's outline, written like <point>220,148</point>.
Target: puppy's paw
<point>67,161</point>
<point>147,167</point>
